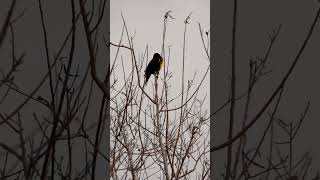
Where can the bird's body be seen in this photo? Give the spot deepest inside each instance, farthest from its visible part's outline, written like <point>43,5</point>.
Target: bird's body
<point>154,66</point>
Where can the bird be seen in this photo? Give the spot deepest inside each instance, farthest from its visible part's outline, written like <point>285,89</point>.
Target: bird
<point>153,67</point>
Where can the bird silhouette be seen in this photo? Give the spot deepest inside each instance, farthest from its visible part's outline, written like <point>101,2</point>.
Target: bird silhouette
<point>153,67</point>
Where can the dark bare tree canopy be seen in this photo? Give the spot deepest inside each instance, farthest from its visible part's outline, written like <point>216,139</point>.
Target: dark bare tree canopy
<point>76,105</point>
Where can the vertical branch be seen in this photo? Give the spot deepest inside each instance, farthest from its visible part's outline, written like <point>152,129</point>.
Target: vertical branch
<point>96,143</point>
<point>23,148</point>
<point>165,74</point>
<point>44,166</point>
<point>290,150</point>
<point>92,60</point>
<point>246,109</point>
<point>270,154</point>
<point>159,130</point>
<point>69,115</point>
<point>47,56</point>
<point>233,89</point>
<point>7,22</point>
<point>69,151</point>
<point>180,125</point>
<point>52,140</point>
<point>183,61</point>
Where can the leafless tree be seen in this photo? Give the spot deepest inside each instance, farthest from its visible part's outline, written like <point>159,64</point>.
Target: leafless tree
<point>153,134</point>
<point>270,157</point>
<point>62,100</point>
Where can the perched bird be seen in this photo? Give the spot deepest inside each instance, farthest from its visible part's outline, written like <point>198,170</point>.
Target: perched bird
<point>153,67</point>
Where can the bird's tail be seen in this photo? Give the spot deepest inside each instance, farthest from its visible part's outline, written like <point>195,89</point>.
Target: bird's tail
<point>147,76</point>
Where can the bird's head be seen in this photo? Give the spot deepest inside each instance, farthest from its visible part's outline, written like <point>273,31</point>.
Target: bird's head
<point>156,56</point>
